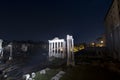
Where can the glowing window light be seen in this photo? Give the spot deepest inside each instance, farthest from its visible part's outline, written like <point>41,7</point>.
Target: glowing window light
<point>61,49</point>
<point>101,42</point>
<point>93,43</point>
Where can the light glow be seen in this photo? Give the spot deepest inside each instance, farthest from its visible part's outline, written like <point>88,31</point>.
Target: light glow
<point>93,44</point>
<point>101,42</point>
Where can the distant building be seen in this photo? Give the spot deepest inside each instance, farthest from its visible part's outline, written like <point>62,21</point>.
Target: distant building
<point>57,47</point>
<point>101,41</point>
<point>80,46</point>
<point>92,44</point>
<point>112,25</point>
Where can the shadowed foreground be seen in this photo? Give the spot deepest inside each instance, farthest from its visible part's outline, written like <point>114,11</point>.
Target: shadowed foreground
<point>89,72</point>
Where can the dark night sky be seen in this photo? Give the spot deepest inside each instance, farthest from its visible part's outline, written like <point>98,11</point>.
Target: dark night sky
<point>46,19</point>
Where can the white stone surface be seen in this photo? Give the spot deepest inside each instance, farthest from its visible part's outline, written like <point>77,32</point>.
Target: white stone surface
<point>55,78</point>
<point>30,79</point>
<point>1,44</point>
<point>62,72</point>
<point>5,76</point>
<point>1,48</point>
<point>27,76</point>
<point>57,48</point>
<point>43,72</point>
<point>47,69</point>
<point>70,49</point>
<point>33,75</point>
<point>10,48</point>
<point>58,75</point>
<point>24,48</point>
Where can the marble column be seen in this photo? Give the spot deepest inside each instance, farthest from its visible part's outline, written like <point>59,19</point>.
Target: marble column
<point>57,49</point>
<point>49,48</point>
<point>70,54</point>
<point>63,50</point>
<point>1,49</point>
<point>73,52</point>
<point>60,50</point>
<point>10,47</point>
<point>54,48</point>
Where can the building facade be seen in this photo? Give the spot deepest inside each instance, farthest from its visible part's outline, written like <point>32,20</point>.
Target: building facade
<point>57,48</point>
<point>112,25</point>
<point>60,48</point>
<point>101,41</point>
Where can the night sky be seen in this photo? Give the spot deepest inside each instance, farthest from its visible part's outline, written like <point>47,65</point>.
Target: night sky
<point>46,19</point>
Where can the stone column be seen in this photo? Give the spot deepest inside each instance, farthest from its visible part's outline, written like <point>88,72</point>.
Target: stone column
<point>64,50</point>
<point>54,48</point>
<point>49,49</point>
<point>70,54</point>
<point>73,63</point>
<point>60,49</point>
<point>10,47</point>
<point>57,48</point>
<point>63,54</point>
<point>1,49</point>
